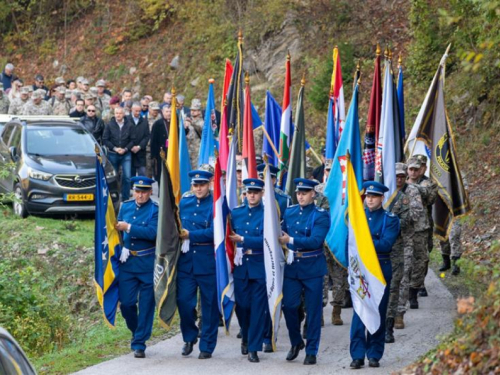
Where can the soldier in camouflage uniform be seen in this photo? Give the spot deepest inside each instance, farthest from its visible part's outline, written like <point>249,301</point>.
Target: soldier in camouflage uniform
<point>453,245</point>
<point>422,227</point>
<point>60,105</point>
<point>407,205</point>
<point>336,272</point>
<point>194,126</point>
<point>4,102</point>
<point>17,104</point>
<point>37,106</point>
<point>102,100</point>
<point>430,187</point>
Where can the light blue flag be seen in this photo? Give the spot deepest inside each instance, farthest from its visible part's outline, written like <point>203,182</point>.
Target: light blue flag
<point>335,190</point>
<point>184,161</point>
<point>401,104</point>
<point>208,143</point>
<point>272,127</point>
<point>331,138</point>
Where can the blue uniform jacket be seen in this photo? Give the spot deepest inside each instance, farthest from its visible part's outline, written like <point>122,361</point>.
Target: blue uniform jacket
<point>249,223</point>
<point>384,228</point>
<point>142,235</point>
<point>197,217</point>
<point>308,226</point>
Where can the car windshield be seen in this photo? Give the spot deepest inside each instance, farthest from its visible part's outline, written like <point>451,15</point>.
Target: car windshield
<point>59,141</point>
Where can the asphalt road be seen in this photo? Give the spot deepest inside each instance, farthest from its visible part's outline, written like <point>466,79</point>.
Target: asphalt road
<point>423,329</point>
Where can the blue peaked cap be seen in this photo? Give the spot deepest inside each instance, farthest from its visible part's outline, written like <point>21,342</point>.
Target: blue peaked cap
<point>274,170</point>
<point>142,182</point>
<point>374,187</point>
<point>304,184</point>
<point>253,184</point>
<point>200,177</point>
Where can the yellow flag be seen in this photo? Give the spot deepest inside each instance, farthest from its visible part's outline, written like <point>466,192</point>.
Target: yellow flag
<point>173,152</point>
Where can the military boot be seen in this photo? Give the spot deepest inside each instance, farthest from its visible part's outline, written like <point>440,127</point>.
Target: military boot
<point>347,300</point>
<point>422,292</point>
<point>336,319</point>
<point>446,263</point>
<point>389,330</point>
<point>456,268</point>
<point>413,298</point>
<point>399,322</point>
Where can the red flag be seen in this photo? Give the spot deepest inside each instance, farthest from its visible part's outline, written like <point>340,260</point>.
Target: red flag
<point>249,169</point>
<point>223,134</point>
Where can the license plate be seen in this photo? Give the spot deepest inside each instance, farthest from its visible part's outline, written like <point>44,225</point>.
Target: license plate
<point>78,197</point>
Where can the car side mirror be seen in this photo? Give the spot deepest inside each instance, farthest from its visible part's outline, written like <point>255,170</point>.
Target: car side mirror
<point>13,153</point>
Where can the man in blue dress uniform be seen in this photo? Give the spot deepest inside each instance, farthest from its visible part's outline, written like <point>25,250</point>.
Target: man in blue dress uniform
<point>384,228</point>
<point>196,266</point>
<point>138,222</point>
<point>283,199</point>
<point>249,272</point>
<point>304,230</point>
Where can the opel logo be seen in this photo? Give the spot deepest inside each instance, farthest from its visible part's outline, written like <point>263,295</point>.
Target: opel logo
<point>78,179</point>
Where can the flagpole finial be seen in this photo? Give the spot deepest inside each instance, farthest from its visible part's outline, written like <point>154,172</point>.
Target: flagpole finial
<point>378,51</point>
<point>240,36</point>
<point>386,53</point>
<point>358,68</point>
<point>303,80</point>
<point>400,61</point>
<point>390,54</point>
<point>162,154</point>
<point>173,91</point>
<point>247,79</point>
<point>211,80</point>
<point>288,57</point>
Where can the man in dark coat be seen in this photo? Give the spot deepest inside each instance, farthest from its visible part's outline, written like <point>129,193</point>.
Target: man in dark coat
<point>93,123</point>
<point>159,138</point>
<point>141,128</point>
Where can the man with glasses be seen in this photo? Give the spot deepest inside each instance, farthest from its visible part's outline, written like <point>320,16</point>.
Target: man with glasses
<point>144,108</point>
<point>93,123</point>
<point>79,110</point>
<point>141,129</point>
<point>119,138</point>
<point>40,83</point>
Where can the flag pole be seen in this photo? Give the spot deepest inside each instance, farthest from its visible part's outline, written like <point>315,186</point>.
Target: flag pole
<point>271,142</point>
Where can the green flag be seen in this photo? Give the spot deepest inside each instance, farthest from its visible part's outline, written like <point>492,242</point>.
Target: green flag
<point>297,166</point>
<point>168,245</point>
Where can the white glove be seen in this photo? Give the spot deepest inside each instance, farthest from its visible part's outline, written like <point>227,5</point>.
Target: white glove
<point>185,246</point>
<point>289,257</point>
<point>238,257</point>
<point>124,255</point>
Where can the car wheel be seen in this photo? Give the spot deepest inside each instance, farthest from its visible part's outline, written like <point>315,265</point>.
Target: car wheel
<point>19,204</point>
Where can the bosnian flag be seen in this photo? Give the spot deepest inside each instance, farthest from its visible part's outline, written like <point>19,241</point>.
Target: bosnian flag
<point>223,260</point>
<point>286,123</point>
<point>366,280</point>
<point>337,90</point>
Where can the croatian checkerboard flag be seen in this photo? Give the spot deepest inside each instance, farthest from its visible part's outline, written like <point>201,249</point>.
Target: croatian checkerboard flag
<point>223,260</point>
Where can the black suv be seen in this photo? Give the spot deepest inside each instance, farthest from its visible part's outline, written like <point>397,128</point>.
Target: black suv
<point>55,167</point>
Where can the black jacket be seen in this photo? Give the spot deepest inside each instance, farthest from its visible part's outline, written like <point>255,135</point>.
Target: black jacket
<point>159,136</point>
<point>77,114</point>
<point>142,136</point>
<point>113,136</point>
<point>94,125</point>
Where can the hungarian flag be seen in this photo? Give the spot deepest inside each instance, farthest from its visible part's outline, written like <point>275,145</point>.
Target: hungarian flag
<point>168,247</point>
<point>249,167</point>
<point>286,130</point>
<point>173,152</point>
<point>337,92</point>
<point>373,123</point>
<point>433,132</point>
<point>224,128</point>
<point>223,259</point>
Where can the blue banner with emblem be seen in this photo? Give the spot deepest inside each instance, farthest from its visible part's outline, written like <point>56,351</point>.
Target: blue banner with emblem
<point>107,248</point>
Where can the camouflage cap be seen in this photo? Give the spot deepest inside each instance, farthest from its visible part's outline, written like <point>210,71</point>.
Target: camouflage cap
<point>155,106</point>
<point>25,90</point>
<point>61,89</point>
<point>328,164</point>
<point>38,94</point>
<point>60,81</point>
<point>79,79</point>
<point>85,81</point>
<point>88,96</point>
<point>94,90</point>
<point>76,92</point>
<point>100,83</point>
<point>422,158</point>
<point>413,162</point>
<point>196,104</point>
<point>30,88</point>
<point>67,94</point>
<point>206,167</point>
<point>401,169</point>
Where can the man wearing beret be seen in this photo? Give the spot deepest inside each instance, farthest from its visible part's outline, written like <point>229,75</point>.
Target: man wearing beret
<point>138,222</point>
<point>196,267</point>
<point>384,229</point>
<point>304,231</point>
<point>249,272</point>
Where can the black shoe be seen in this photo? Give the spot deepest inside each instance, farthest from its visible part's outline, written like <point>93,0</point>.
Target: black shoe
<point>187,349</point>
<point>422,292</point>
<point>446,263</point>
<point>456,270</point>
<point>413,298</point>
<point>268,348</point>
<point>389,331</point>
<point>139,353</point>
<point>372,362</point>
<point>253,357</point>
<point>310,359</point>
<point>205,355</point>
<point>294,351</point>
<point>244,348</point>
<point>239,335</point>
<point>357,363</point>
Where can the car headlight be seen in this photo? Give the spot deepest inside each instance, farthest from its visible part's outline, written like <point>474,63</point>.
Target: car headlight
<point>39,175</point>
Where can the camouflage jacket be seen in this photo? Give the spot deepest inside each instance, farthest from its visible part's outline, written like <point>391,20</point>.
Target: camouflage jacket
<point>16,106</point>
<point>321,200</point>
<point>32,109</point>
<point>102,102</point>
<point>60,107</point>
<point>409,207</point>
<point>4,104</point>
<point>428,190</point>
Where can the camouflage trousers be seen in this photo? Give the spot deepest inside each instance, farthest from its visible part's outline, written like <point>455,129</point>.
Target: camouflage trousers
<point>453,245</point>
<point>397,261</point>
<point>420,259</point>
<point>404,289</point>
<point>338,275</point>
